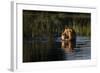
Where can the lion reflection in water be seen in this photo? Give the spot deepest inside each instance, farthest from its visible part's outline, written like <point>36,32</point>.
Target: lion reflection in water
<point>68,40</point>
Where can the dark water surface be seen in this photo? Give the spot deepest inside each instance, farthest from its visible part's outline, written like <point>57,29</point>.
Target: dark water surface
<point>51,50</point>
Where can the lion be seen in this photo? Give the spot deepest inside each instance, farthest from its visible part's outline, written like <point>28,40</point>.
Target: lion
<point>68,39</point>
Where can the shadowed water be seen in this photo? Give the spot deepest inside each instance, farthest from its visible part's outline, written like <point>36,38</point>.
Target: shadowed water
<point>36,50</point>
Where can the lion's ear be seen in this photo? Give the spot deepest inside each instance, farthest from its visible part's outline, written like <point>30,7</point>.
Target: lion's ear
<point>71,30</point>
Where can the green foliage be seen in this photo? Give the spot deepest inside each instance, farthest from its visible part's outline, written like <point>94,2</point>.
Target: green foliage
<point>45,23</point>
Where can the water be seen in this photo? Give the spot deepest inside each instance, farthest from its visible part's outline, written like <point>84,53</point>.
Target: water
<point>82,50</point>
<point>54,50</point>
